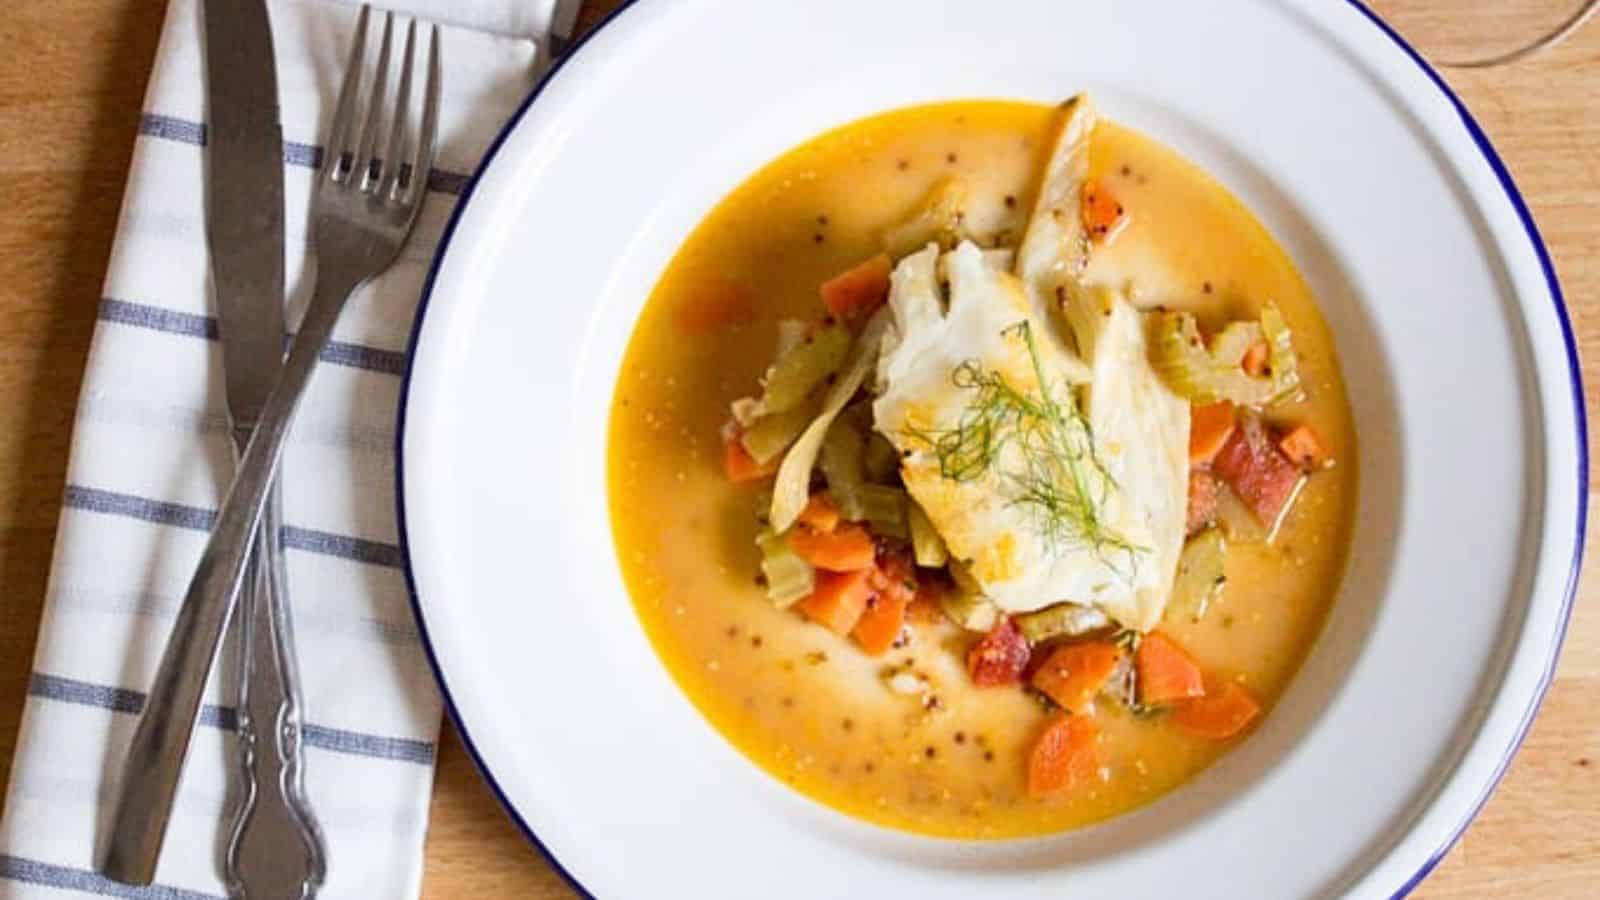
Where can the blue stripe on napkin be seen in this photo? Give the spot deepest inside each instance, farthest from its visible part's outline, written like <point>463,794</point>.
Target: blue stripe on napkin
<point>309,156</point>
<point>157,319</point>
<point>123,700</point>
<point>337,741</point>
<point>29,871</point>
<point>171,321</point>
<point>161,512</point>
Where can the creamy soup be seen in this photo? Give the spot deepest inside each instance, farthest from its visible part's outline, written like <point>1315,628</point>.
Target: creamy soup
<point>906,738</point>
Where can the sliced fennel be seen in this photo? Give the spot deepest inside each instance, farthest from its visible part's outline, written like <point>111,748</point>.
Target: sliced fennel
<point>926,544</point>
<point>1060,620</point>
<point>1201,575</point>
<point>792,488</point>
<point>971,611</point>
<point>937,220</point>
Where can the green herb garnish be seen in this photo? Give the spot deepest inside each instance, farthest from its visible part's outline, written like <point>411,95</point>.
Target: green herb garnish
<point>1054,471</point>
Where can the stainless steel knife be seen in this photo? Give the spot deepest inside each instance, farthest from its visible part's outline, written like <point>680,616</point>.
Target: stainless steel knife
<point>274,850</point>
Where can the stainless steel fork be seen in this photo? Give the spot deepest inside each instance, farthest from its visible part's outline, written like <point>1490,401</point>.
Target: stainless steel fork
<point>362,212</point>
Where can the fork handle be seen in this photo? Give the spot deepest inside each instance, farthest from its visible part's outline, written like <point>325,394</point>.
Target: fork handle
<point>142,806</point>
<point>275,851</point>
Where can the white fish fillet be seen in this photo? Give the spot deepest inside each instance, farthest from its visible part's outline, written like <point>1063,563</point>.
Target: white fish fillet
<point>1142,430</point>
<point>1140,427</point>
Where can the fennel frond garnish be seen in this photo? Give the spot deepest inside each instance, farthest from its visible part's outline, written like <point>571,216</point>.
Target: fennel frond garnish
<point>1040,447</point>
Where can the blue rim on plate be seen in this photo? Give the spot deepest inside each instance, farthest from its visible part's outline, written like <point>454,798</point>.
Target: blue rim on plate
<point>1484,147</point>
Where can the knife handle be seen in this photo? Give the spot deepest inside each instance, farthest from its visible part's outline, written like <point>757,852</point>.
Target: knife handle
<point>275,851</point>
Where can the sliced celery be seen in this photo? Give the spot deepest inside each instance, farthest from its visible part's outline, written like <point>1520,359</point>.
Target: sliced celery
<point>1234,341</point>
<point>843,461</point>
<point>884,509</point>
<point>788,576</point>
<point>791,332</point>
<point>1210,374</point>
<point>795,373</point>
<point>771,434</point>
<point>1179,353</point>
<point>1280,355</point>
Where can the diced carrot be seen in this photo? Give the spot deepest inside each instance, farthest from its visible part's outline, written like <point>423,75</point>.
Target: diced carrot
<point>879,627</point>
<point>1223,712</point>
<point>1257,471</point>
<point>1210,426</point>
<point>838,600</point>
<point>715,307</point>
<point>847,548</point>
<point>1103,215</point>
<point>1165,672</point>
<point>1064,755</point>
<point>1304,448</point>
<point>1074,673</point>
<point>1255,359</point>
<point>894,580</point>
<point>737,462</point>
<point>859,291</point>
<point>1204,494</point>
<point>820,514</point>
<point>1000,657</point>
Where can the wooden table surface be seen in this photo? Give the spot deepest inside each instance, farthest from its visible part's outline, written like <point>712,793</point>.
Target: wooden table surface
<point>71,78</point>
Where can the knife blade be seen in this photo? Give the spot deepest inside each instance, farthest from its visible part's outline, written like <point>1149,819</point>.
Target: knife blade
<point>244,202</point>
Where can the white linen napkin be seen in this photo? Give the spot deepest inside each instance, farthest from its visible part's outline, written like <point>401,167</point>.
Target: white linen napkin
<point>151,458</point>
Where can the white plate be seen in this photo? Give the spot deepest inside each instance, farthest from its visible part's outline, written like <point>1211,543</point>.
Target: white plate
<point>1446,313</point>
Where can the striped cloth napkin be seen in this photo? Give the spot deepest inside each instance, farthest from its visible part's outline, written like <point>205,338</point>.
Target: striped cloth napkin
<point>151,459</point>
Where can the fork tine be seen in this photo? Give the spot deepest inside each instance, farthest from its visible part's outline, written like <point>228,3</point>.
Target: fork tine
<point>344,110</point>
<point>402,111</point>
<point>369,134</point>
<point>422,160</point>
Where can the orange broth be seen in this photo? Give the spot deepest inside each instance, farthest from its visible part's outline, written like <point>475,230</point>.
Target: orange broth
<point>810,707</point>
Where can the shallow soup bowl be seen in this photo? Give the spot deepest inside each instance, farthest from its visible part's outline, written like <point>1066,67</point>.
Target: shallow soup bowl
<point>1445,312</point>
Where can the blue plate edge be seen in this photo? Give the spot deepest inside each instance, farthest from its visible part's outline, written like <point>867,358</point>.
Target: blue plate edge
<point>1580,416</point>
<point>1485,147</point>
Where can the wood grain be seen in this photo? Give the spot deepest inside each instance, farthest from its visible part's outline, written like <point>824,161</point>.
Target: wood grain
<point>71,82</point>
